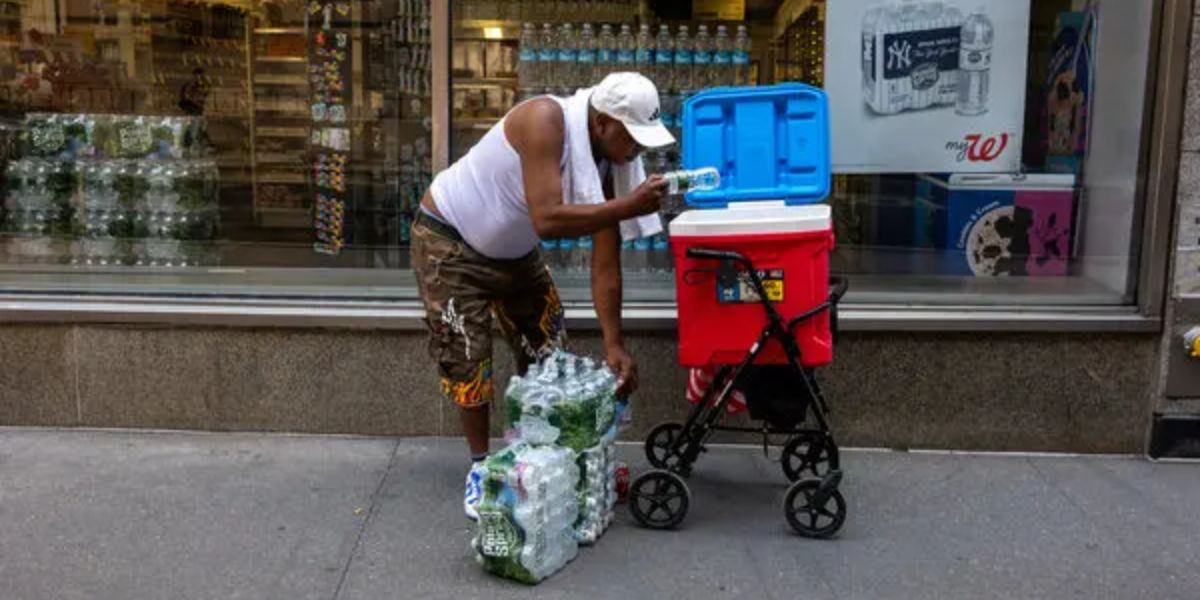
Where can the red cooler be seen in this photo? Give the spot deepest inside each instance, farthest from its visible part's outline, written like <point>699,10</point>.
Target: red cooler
<point>771,145</point>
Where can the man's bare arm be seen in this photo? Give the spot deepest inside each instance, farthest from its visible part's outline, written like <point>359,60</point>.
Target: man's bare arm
<point>536,130</point>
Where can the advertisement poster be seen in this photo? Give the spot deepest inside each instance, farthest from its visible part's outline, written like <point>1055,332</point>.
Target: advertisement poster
<point>926,86</point>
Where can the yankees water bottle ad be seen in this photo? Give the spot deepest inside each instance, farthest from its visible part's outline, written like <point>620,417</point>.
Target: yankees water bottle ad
<point>926,86</point>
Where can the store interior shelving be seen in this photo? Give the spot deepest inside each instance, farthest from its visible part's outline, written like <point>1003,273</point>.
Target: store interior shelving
<point>278,68</point>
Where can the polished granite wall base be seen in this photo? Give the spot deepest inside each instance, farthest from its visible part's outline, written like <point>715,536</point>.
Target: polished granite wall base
<point>1030,392</point>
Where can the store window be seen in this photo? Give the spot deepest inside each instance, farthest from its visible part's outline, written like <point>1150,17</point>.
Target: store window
<point>986,156</point>
<point>984,153</point>
<point>234,147</point>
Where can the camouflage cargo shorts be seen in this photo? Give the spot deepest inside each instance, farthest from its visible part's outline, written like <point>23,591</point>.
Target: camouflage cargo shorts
<point>463,292</point>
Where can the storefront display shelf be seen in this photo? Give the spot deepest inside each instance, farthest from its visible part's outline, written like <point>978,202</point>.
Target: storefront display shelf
<point>281,132</point>
<point>279,159</point>
<point>486,83</point>
<point>279,31</point>
<point>281,59</point>
<point>283,178</point>
<point>288,80</point>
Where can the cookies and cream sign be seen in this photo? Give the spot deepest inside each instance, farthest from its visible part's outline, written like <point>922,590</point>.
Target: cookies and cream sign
<point>926,85</point>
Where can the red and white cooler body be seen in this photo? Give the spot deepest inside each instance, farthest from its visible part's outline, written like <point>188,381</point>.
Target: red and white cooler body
<point>771,146</point>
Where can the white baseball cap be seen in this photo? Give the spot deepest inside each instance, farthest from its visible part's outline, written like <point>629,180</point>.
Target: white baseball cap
<point>633,100</point>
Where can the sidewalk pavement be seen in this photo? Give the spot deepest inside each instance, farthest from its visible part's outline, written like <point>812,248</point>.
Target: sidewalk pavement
<point>154,515</point>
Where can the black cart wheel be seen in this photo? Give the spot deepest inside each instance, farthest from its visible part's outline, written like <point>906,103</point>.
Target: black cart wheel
<point>811,517</point>
<point>659,499</point>
<point>661,444</point>
<point>807,454</point>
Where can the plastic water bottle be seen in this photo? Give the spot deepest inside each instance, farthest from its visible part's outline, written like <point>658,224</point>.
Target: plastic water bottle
<point>584,259</point>
<point>702,59</point>
<point>606,52</point>
<point>695,180</point>
<point>741,56</point>
<point>568,53</point>
<point>584,69</point>
<point>664,60</point>
<point>548,58</point>
<point>568,252</point>
<point>528,65</point>
<point>684,81</point>
<point>641,254</point>
<point>722,66</point>
<point>661,246</point>
<point>625,49</point>
<point>644,53</point>
<point>974,64</point>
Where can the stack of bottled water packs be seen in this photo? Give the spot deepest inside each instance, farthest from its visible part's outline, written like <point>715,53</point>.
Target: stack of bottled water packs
<point>527,512</point>
<point>554,487</point>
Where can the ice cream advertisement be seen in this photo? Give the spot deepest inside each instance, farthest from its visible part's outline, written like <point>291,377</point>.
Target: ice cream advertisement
<point>926,86</point>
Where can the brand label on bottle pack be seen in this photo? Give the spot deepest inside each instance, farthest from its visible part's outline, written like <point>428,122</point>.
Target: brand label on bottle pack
<point>721,57</point>
<point>975,59</point>
<point>664,57</point>
<point>909,50</point>
<point>497,536</point>
<point>741,57</point>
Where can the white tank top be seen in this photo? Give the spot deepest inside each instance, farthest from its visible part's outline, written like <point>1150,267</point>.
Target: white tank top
<point>482,195</point>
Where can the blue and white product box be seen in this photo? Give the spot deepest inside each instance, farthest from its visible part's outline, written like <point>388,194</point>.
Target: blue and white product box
<point>997,225</point>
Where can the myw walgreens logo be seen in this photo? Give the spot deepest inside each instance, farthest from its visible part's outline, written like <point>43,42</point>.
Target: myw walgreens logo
<point>977,148</point>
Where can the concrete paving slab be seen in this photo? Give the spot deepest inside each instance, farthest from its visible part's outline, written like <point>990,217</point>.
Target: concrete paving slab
<point>130,515</point>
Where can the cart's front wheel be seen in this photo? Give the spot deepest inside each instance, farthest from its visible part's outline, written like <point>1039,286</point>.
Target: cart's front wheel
<point>808,454</point>
<point>813,512</point>
<point>663,445</point>
<point>659,499</point>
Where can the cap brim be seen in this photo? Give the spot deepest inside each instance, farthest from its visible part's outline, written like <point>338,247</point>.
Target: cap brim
<point>650,136</point>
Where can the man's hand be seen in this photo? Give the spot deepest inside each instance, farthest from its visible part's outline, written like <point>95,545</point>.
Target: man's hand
<point>622,364</point>
<point>647,198</point>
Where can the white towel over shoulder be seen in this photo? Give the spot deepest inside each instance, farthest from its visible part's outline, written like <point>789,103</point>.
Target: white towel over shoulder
<point>581,180</point>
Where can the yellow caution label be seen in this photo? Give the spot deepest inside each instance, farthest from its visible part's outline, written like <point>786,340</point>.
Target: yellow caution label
<point>774,288</point>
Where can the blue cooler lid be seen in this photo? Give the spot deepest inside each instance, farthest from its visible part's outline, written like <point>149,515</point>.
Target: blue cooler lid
<point>768,142</point>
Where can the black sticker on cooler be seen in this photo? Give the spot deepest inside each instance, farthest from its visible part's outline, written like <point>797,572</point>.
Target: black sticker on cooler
<point>742,290</point>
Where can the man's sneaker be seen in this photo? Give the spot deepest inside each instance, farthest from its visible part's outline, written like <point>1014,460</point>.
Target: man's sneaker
<point>474,491</point>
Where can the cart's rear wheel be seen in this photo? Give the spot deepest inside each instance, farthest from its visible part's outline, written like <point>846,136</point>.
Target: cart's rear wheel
<point>808,515</point>
<point>661,445</point>
<point>659,499</point>
<point>807,454</point>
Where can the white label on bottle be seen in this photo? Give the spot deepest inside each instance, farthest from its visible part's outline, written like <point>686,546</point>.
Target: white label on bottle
<point>975,59</point>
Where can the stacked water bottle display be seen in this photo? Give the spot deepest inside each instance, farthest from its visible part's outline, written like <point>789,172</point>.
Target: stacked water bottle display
<point>555,486</point>
<point>111,190</point>
<point>558,60</point>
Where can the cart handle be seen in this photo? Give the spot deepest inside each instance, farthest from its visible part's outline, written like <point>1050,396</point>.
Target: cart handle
<point>840,285</point>
<point>705,253</point>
